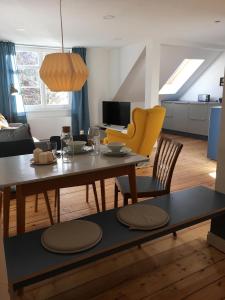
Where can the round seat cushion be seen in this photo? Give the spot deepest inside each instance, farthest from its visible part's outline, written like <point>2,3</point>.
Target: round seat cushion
<point>143,216</point>
<point>71,237</point>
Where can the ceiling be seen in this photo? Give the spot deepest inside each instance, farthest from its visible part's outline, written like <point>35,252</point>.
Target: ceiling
<point>36,22</point>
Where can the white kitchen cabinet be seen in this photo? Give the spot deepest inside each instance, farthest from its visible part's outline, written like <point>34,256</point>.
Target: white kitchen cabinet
<point>188,117</point>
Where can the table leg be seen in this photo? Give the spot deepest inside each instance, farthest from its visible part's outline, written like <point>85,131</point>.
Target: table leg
<point>6,207</point>
<point>102,184</point>
<point>20,207</point>
<point>132,181</point>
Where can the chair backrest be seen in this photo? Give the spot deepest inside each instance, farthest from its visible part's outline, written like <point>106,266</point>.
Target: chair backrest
<point>166,157</point>
<point>153,125</point>
<point>147,124</point>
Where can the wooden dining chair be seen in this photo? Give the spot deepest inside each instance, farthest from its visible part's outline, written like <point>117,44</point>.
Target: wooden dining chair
<point>5,207</point>
<point>13,148</point>
<point>159,183</point>
<point>57,199</point>
<point>57,140</point>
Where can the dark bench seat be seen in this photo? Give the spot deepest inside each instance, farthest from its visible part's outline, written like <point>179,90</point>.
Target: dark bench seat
<point>28,262</point>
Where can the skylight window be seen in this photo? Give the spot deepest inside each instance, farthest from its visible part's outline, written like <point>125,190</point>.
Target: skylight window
<point>180,76</point>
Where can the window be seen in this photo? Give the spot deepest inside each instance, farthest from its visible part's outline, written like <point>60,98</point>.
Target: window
<point>35,94</point>
<point>180,76</point>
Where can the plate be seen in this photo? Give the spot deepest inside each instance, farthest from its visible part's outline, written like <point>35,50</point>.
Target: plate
<point>123,152</point>
<point>33,163</point>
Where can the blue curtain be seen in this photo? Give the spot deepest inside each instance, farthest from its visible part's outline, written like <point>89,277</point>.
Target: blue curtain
<point>8,103</point>
<point>79,108</point>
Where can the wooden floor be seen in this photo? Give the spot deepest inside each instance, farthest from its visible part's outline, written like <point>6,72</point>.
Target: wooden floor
<point>186,268</point>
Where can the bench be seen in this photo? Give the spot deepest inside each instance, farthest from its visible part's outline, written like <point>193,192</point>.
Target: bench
<point>28,262</point>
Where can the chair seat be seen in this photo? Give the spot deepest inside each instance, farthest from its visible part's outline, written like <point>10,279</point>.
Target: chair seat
<point>144,184</point>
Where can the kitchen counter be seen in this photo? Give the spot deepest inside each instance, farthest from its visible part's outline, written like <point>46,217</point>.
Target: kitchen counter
<point>191,102</point>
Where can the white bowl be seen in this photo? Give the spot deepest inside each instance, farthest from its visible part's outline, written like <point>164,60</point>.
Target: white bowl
<point>78,145</point>
<point>115,146</point>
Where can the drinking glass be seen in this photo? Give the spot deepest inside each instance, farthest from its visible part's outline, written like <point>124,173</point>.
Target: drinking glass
<point>50,146</point>
<point>94,139</point>
<point>53,148</point>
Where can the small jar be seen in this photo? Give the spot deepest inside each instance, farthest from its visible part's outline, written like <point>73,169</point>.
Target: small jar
<point>66,144</point>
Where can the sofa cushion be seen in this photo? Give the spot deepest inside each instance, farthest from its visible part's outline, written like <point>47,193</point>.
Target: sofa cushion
<point>15,134</point>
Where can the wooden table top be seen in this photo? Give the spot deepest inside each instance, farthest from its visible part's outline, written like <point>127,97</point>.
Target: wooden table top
<point>16,170</point>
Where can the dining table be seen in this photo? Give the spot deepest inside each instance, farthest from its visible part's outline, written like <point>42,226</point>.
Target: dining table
<point>81,170</point>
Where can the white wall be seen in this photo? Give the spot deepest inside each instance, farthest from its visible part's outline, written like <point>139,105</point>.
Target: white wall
<point>220,172</point>
<point>114,71</point>
<point>98,81</point>
<point>128,57</point>
<point>133,87</point>
<point>208,83</point>
<point>45,124</point>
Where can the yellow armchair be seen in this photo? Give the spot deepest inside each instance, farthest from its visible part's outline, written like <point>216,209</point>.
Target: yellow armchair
<point>143,132</point>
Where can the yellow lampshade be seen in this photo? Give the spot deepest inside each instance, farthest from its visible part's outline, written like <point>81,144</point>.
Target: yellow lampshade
<point>63,72</point>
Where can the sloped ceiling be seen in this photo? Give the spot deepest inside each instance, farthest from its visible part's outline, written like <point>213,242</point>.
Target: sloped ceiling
<point>172,56</point>
<point>133,87</point>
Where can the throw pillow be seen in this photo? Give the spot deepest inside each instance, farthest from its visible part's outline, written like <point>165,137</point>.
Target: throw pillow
<point>3,122</point>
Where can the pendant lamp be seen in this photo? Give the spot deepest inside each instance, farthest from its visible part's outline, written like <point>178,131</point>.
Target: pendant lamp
<point>63,72</point>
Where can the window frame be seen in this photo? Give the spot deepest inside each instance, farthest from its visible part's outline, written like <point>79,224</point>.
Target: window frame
<point>173,84</point>
<point>43,107</point>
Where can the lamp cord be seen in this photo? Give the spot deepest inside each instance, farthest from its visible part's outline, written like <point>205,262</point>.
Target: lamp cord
<point>61,23</point>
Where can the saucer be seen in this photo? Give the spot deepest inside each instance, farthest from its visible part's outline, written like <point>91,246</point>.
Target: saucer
<point>123,152</point>
<point>33,163</point>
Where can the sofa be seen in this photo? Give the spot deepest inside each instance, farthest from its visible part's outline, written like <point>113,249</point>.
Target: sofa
<point>15,138</point>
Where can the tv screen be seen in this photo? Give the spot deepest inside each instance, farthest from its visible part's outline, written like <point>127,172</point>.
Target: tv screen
<point>116,113</point>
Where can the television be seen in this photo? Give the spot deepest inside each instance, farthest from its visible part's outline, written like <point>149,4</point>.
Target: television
<point>116,113</point>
